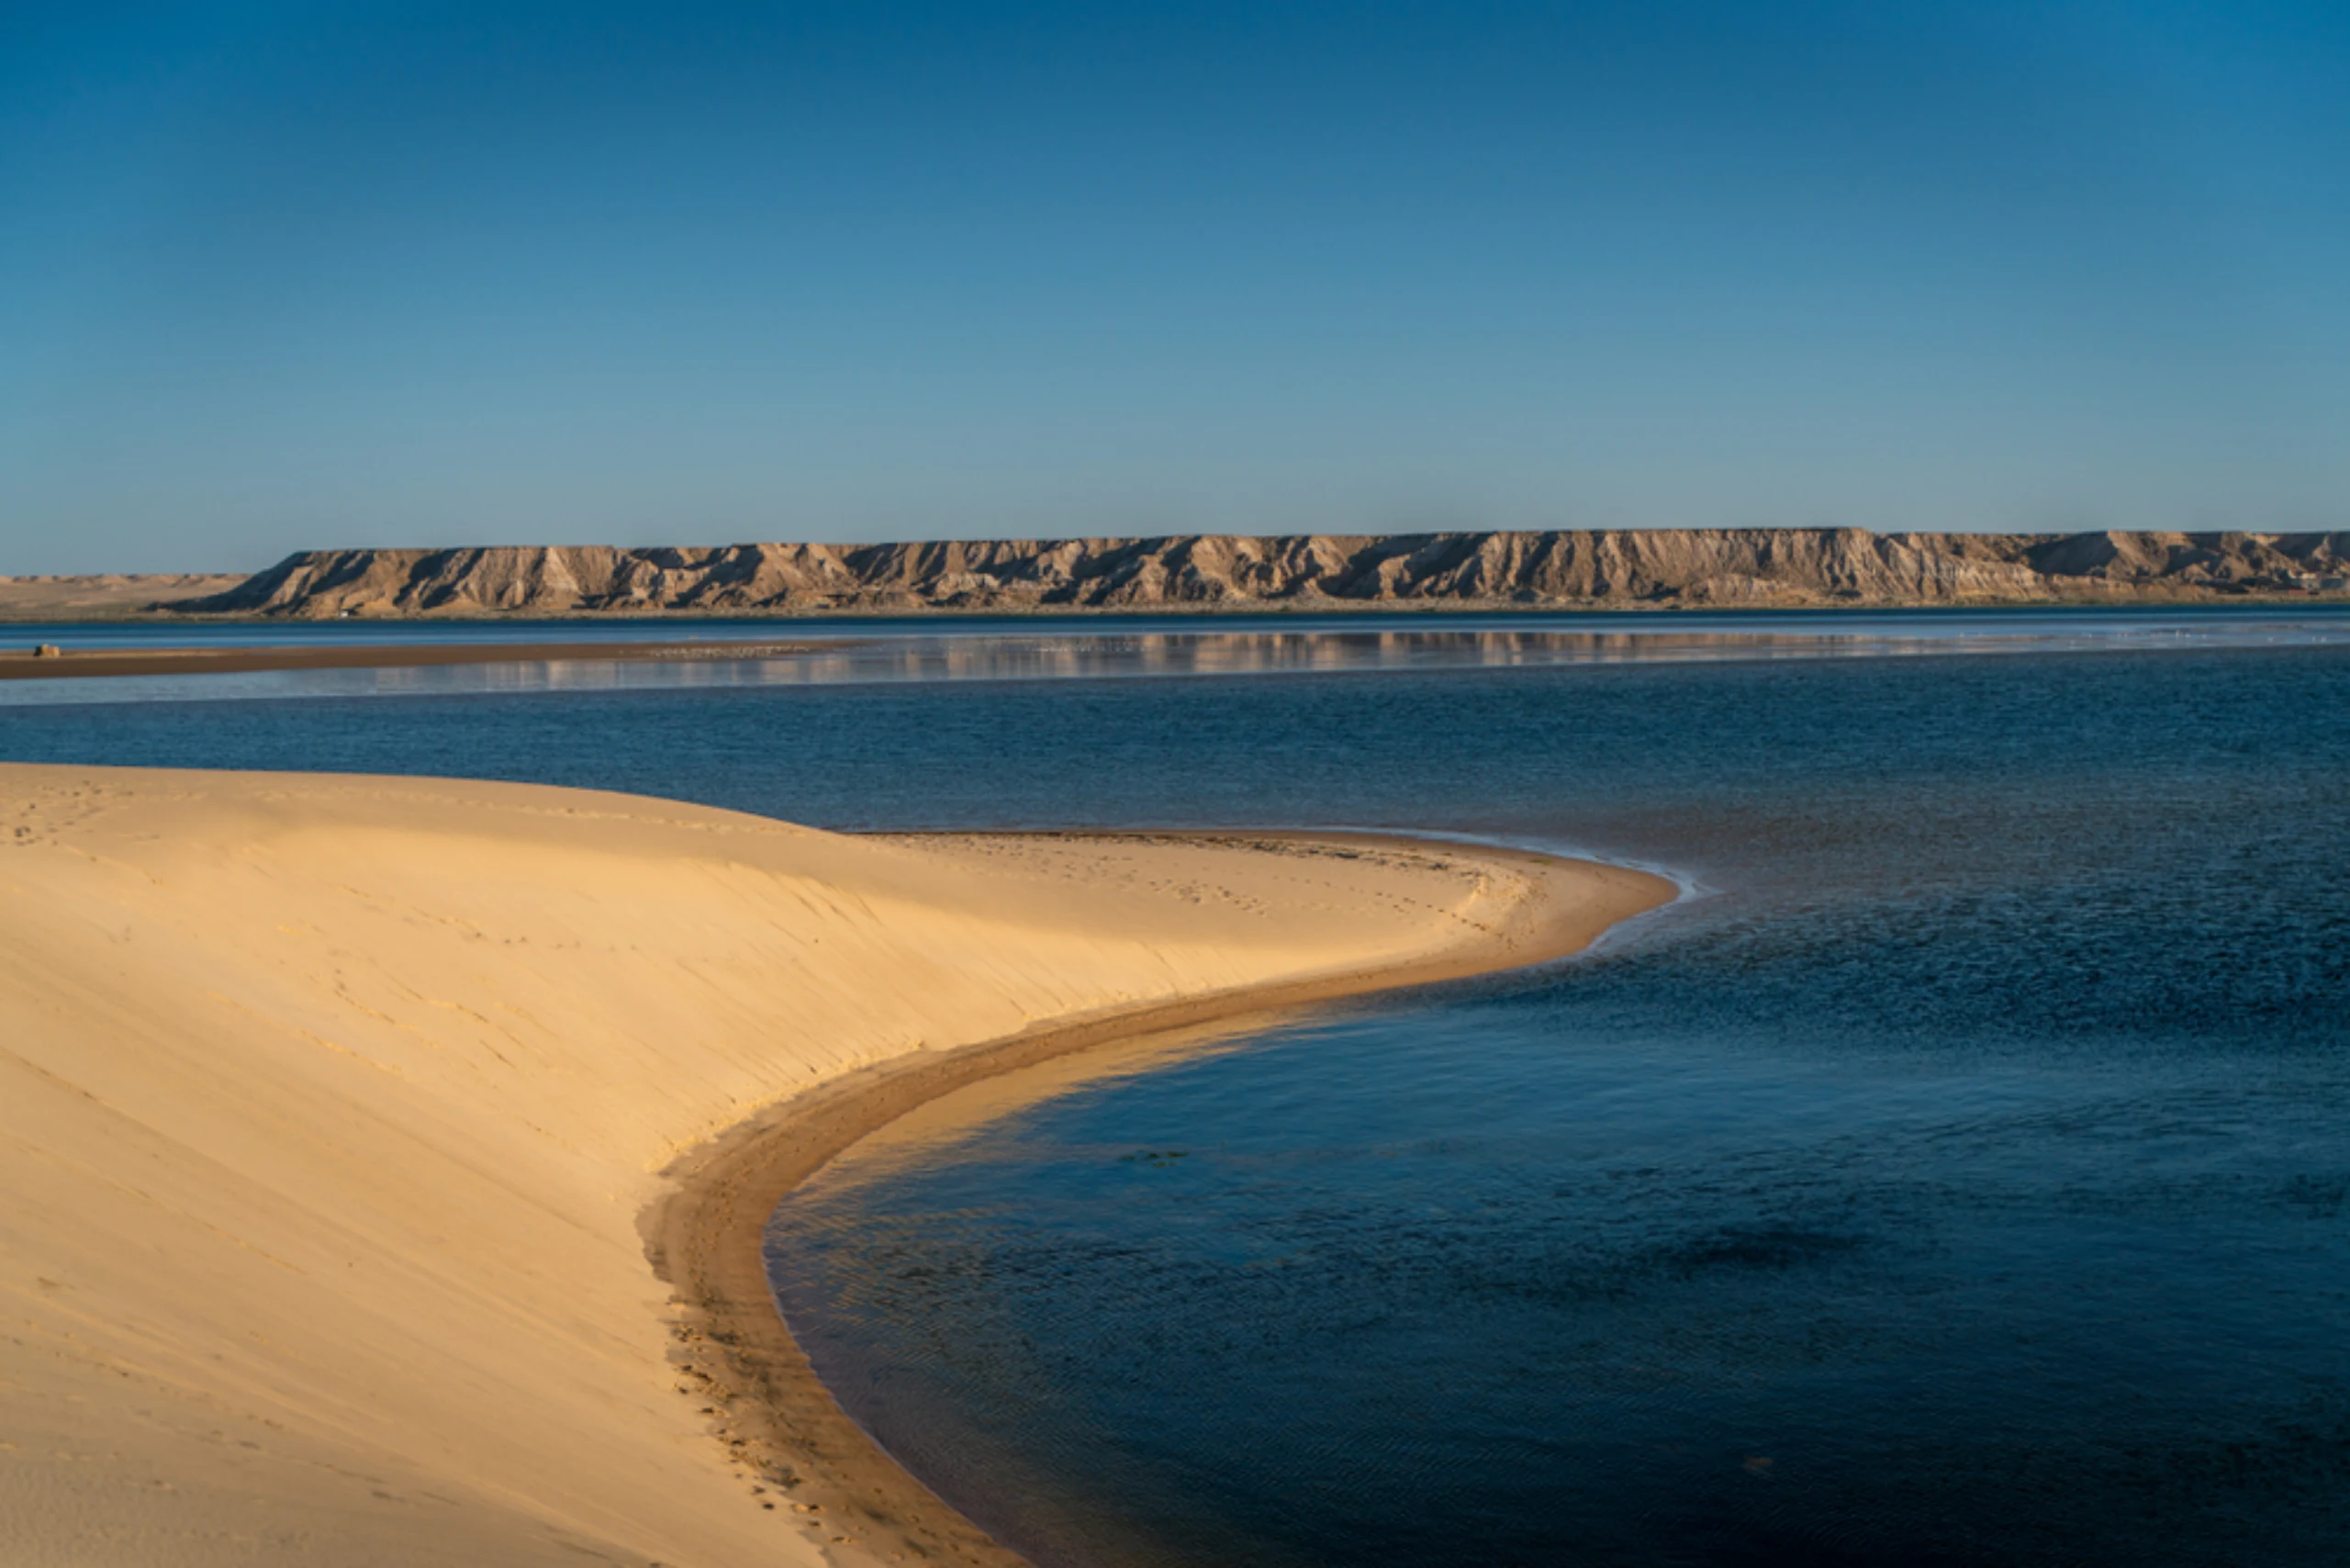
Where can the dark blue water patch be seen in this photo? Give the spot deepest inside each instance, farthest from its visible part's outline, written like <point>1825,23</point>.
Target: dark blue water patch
<point>1964,1183</point>
<point>1499,1280</point>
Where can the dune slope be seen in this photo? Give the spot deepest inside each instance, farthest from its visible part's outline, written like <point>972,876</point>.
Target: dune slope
<point>331,1109</point>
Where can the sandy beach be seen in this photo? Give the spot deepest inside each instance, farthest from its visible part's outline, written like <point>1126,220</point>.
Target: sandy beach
<point>385,1157</point>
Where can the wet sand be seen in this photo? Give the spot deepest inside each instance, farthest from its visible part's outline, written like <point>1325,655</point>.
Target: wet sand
<point>705,1239</point>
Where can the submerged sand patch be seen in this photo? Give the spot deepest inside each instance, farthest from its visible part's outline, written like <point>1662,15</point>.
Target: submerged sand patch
<point>337,1114</point>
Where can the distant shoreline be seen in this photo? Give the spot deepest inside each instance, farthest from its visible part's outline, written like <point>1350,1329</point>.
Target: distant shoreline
<point>414,644</point>
<point>1420,609</point>
<point>20,664</point>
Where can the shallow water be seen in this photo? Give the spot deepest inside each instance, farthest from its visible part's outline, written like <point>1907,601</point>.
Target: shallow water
<point>1963,1178</point>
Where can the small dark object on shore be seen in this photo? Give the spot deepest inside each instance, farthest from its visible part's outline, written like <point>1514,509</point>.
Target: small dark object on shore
<point>48,651</point>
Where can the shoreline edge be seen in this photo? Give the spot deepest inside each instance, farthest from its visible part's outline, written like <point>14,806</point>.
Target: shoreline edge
<point>705,1236</point>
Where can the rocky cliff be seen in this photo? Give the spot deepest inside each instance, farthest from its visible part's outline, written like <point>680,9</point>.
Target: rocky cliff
<point>1664,569</point>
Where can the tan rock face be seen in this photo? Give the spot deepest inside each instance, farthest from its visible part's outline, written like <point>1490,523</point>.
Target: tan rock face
<point>1625,569</point>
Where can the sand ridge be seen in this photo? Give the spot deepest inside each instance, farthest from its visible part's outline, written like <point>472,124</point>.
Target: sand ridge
<point>332,1111</point>
<point>71,662</point>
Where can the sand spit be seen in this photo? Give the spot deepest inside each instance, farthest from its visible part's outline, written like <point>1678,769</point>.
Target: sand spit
<point>1589,569</point>
<point>65,662</point>
<point>342,1119</point>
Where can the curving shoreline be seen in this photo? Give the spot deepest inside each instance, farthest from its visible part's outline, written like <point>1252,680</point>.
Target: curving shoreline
<point>705,1236</point>
<point>335,1111</point>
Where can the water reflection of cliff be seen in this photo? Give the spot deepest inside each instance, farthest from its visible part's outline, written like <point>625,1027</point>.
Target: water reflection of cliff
<point>1275,653</point>
<point>972,655</point>
<point>1185,653</point>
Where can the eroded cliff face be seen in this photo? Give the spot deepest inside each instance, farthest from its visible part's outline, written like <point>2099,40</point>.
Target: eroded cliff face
<point>1663,568</point>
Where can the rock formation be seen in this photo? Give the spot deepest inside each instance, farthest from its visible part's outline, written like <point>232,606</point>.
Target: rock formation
<point>1616,569</point>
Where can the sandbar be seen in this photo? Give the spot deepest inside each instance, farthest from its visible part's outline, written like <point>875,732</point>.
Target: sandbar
<point>24,663</point>
<point>385,1157</point>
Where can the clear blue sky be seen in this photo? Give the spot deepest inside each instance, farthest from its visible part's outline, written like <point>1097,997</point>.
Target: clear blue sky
<point>341,273</point>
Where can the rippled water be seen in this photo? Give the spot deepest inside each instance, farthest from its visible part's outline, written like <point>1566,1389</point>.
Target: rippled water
<point>850,650</point>
<point>1963,1178</point>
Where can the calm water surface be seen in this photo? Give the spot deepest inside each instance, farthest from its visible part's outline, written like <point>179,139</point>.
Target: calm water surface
<point>875,650</point>
<point>1961,1177</point>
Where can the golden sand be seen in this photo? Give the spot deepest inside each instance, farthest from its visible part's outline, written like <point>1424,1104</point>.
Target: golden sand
<point>342,1125</point>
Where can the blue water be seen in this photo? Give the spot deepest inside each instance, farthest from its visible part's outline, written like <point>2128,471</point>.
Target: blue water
<point>1963,1178</point>
<point>836,651</point>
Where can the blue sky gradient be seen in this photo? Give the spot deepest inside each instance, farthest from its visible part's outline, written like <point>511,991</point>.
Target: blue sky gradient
<point>277,276</point>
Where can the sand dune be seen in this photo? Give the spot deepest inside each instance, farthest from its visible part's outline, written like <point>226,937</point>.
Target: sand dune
<point>106,595</point>
<point>332,1111</point>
